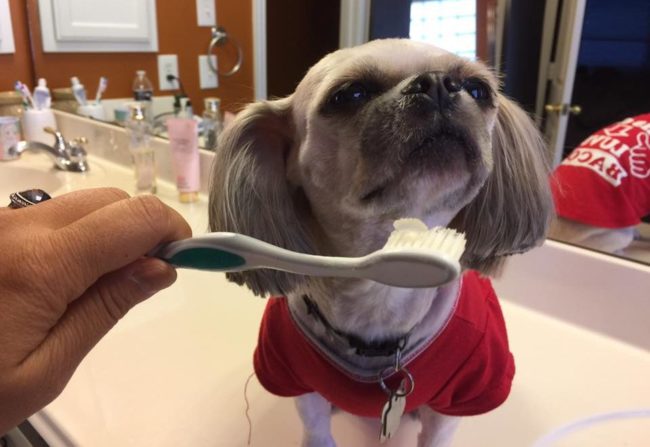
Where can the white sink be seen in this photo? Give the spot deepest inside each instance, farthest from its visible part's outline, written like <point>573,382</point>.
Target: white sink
<point>18,178</point>
<point>35,170</point>
<point>174,370</point>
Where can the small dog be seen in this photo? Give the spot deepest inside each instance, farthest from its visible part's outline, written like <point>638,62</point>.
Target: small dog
<point>602,189</point>
<point>389,129</point>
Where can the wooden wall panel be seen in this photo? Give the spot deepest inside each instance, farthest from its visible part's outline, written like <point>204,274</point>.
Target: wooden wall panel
<point>17,66</point>
<point>486,30</point>
<point>298,40</point>
<point>178,33</point>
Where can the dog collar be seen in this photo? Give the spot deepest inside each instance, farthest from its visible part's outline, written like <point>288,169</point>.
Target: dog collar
<point>380,348</point>
<point>341,348</point>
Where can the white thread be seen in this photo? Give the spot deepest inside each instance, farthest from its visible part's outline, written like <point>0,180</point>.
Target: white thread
<point>248,418</point>
<point>550,439</point>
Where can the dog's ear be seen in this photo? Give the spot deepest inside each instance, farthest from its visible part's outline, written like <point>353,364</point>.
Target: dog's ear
<point>512,211</point>
<point>249,193</point>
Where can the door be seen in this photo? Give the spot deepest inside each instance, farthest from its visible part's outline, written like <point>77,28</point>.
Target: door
<point>559,56</point>
<point>594,68</point>
<point>295,41</point>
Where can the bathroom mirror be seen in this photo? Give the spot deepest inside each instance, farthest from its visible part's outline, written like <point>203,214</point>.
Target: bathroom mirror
<point>89,39</point>
<point>578,68</point>
<point>575,66</point>
<point>593,103</point>
<point>291,44</point>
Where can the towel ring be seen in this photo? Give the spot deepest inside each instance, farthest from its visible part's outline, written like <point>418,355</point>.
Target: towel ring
<point>220,38</point>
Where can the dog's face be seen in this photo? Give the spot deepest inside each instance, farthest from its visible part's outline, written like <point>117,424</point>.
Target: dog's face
<point>390,129</point>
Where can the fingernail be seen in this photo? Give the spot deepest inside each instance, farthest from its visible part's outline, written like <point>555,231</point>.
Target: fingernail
<point>152,275</point>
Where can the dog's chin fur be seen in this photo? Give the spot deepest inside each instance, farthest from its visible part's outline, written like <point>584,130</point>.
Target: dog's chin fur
<point>306,174</point>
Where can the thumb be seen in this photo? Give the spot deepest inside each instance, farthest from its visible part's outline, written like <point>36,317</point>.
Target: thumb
<point>92,315</point>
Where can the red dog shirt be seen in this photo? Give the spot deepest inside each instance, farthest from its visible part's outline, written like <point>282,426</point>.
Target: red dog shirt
<point>605,181</point>
<point>466,370</point>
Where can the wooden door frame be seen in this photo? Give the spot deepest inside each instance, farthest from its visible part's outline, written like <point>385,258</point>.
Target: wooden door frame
<point>259,50</point>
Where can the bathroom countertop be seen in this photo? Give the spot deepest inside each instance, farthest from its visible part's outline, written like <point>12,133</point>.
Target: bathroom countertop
<point>173,371</point>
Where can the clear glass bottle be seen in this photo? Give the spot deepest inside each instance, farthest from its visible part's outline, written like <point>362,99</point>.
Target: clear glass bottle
<point>143,93</point>
<point>212,123</point>
<point>139,131</point>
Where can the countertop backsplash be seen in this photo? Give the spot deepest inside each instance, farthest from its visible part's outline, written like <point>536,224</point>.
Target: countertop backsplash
<point>111,143</point>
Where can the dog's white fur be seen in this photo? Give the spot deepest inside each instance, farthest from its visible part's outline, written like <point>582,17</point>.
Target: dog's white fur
<point>317,174</point>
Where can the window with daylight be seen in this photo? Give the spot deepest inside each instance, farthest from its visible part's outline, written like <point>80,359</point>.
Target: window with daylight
<point>450,24</point>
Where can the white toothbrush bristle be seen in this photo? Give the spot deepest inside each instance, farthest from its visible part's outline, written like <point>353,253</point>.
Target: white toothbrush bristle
<point>410,224</point>
<point>413,233</point>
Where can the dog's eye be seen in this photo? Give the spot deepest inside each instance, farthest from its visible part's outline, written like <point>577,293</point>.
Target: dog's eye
<point>477,89</point>
<point>353,93</point>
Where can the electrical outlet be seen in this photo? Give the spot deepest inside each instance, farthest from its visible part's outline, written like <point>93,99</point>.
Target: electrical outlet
<point>167,64</point>
<point>207,77</point>
<point>206,13</point>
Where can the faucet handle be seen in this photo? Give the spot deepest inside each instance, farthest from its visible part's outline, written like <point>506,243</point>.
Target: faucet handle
<point>77,146</point>
<point>77,154</point>
<point>80,141</point>
<point>59,141</point>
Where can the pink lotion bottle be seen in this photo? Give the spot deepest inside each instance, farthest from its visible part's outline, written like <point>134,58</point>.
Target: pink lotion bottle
<point>184,141</point>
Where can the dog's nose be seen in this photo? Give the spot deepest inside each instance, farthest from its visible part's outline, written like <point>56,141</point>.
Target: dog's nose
<point>437,87</point>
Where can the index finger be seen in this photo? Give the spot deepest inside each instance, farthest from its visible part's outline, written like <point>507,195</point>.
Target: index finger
<point>113,237</point>
<point>64,209</point>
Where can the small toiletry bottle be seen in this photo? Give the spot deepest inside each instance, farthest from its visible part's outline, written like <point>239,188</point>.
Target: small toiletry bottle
<point>212,123</point>
<point>184,143</point>
<point>78,90</point>
<point>186,110</point>
<point>143,93</point>
<point>139,145</point>
<point>9,136</point>
<point>42,97</point>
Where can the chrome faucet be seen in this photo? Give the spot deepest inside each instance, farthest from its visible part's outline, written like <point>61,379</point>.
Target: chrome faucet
<point>67,156</point>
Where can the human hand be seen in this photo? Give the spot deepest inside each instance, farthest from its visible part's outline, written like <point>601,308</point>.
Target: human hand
<point>640,157</point>
<point>71,268</point>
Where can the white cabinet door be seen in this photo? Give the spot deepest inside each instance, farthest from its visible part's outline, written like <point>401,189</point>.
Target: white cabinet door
<point>98,25</point>
<point>6,31</point>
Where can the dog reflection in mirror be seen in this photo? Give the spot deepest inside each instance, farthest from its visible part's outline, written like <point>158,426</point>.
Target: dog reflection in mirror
<point>386,130</point>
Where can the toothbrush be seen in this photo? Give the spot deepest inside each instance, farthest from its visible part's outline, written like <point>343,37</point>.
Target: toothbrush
<point>414,256</point>
<point>101,88</point>
<point>26,94</point>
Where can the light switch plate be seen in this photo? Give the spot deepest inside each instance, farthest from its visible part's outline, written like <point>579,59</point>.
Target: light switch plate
<point>206,12</point>
<point>167,64</point>
<point>207,77</point>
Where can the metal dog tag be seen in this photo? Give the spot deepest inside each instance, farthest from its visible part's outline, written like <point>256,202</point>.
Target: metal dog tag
<point>391,415</point>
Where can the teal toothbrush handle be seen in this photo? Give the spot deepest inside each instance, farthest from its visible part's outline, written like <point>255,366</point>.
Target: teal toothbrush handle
<point>205,258</point>
<point>230,252</point>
